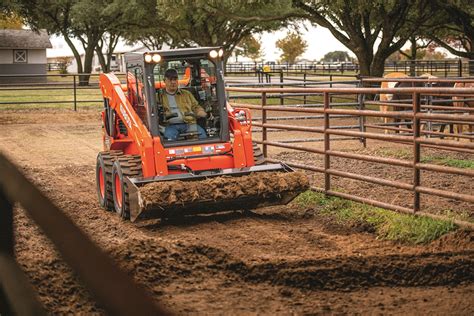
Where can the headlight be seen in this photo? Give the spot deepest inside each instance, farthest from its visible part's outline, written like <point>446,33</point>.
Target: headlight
<point>213,53</point>
<point>148,58</point>
<point>156,58</point>
<point>221,52</point>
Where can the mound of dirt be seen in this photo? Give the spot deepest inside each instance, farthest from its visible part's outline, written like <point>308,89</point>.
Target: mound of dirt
<point>261,185</point>
<point>460,240</point>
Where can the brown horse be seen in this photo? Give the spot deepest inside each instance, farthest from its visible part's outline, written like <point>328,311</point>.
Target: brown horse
<point>457,101</point>
<point>460,102</point>
<point>387,98</point>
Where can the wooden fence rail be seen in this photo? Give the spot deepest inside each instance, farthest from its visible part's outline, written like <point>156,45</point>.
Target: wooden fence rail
<point>113,288</point>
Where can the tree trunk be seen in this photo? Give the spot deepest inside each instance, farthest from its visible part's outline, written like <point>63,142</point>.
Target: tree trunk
<point>377,67</point>
<point>470,63</point>
<point>77,56</point>
<point>364,67</point>
<point>88,57</point>
<point>413,57</point>
<point>102,61</point>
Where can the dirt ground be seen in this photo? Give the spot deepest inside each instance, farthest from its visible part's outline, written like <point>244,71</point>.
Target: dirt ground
<point>279,260</point>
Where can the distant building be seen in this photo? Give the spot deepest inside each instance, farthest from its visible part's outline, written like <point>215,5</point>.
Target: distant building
<point>117,63</point>
<point>23,52</point>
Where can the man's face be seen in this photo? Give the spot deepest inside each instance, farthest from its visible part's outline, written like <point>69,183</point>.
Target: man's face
<point>171,84</point>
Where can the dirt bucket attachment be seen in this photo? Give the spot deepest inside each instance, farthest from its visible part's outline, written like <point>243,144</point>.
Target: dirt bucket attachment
<point>214,191</point>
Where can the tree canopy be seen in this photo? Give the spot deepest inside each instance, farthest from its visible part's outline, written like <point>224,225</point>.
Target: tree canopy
<point>359,25</point>
<point>372,29</point>
<point>214,23</point>
<point>455,27</point>
<point>97,24</point>
<point>9,20</point>
<point>292,46</point>
<point>337,55</point>
<point>251,47</point>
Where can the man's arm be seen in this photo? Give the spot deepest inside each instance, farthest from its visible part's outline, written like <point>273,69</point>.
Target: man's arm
<point>195,107</point>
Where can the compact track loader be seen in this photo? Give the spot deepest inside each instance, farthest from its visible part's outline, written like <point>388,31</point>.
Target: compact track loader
<point>141,173</point>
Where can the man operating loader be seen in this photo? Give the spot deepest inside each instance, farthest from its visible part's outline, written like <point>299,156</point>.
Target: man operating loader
<point>180,109</point>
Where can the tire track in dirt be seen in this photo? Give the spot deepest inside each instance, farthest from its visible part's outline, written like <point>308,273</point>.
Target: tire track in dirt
<point>338,273</point>
<point>281,261</point>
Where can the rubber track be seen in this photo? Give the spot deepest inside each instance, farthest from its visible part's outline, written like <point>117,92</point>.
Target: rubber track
<point>109,157</point>
<point>131,167</point>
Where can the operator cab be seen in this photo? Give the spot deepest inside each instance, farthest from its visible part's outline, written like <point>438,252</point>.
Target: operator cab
<point>198,77</point>
<point>200,82</point>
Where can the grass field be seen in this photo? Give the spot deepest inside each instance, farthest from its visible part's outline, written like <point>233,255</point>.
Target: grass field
<point>387,225</point>
<point>49,98</point>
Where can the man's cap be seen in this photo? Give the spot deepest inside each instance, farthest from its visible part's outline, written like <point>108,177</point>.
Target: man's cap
<point>171,73</point>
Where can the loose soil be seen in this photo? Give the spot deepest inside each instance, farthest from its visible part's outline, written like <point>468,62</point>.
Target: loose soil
<point>261,186</point>
<point>276,260</point>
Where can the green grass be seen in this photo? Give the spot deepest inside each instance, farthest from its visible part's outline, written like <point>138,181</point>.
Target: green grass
<point>407,154</point>
<point>450,162</point>
<point>387,225</point>
<point>399,153</point>
<point>66,97</point>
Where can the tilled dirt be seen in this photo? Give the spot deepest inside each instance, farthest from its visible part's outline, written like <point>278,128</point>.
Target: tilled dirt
<point>277,260</point>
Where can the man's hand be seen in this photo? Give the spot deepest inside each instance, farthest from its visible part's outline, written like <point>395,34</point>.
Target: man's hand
<point>170,116</point>
<point>201,113</point>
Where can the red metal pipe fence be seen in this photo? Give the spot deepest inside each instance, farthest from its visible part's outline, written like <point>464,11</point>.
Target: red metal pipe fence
<point>417,139</point>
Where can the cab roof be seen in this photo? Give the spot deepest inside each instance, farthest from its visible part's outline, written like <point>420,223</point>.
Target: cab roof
<point>181,52</point>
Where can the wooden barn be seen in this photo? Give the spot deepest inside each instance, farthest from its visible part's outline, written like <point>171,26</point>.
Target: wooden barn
<point>23,52</point>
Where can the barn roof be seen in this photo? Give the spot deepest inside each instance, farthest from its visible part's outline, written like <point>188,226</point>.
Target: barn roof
<point>24,39</point>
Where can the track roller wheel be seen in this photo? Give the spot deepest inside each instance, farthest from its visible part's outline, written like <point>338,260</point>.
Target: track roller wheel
<point>103,177</point>
<point>257,154</point>
<point>124,166</point>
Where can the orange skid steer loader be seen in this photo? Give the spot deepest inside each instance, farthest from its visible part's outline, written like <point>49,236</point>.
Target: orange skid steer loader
<point>208,165</point>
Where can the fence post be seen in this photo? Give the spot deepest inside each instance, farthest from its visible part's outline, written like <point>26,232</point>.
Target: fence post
<point>416,152</point>
<point>6,243</point>
<point>327,163</point>
<point>304,85</point>
<point>6,225</point>
<point>330,85</point>
<point>445,69</point>
<point>282,99</point>
<point>75,96</point>
<point>459,67</point>
<point>362,119</point>
<point>429,101</point>
<point>264,121</point>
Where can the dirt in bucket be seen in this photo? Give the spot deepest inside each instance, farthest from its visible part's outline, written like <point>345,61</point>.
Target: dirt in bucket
<point>224,188</point>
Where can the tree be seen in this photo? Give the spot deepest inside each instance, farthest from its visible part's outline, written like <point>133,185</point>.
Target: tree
<point>292,46</point>
<point>214,23</point>
<point>359,24</point>
<point>251,47</point>
<point>9,20</point>
<point>86,20</point>
<point>337,55</point>
<point>147,25</point>
<point>455,29</point>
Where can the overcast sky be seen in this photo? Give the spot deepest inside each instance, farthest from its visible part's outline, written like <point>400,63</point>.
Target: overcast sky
<point>320,41</point>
